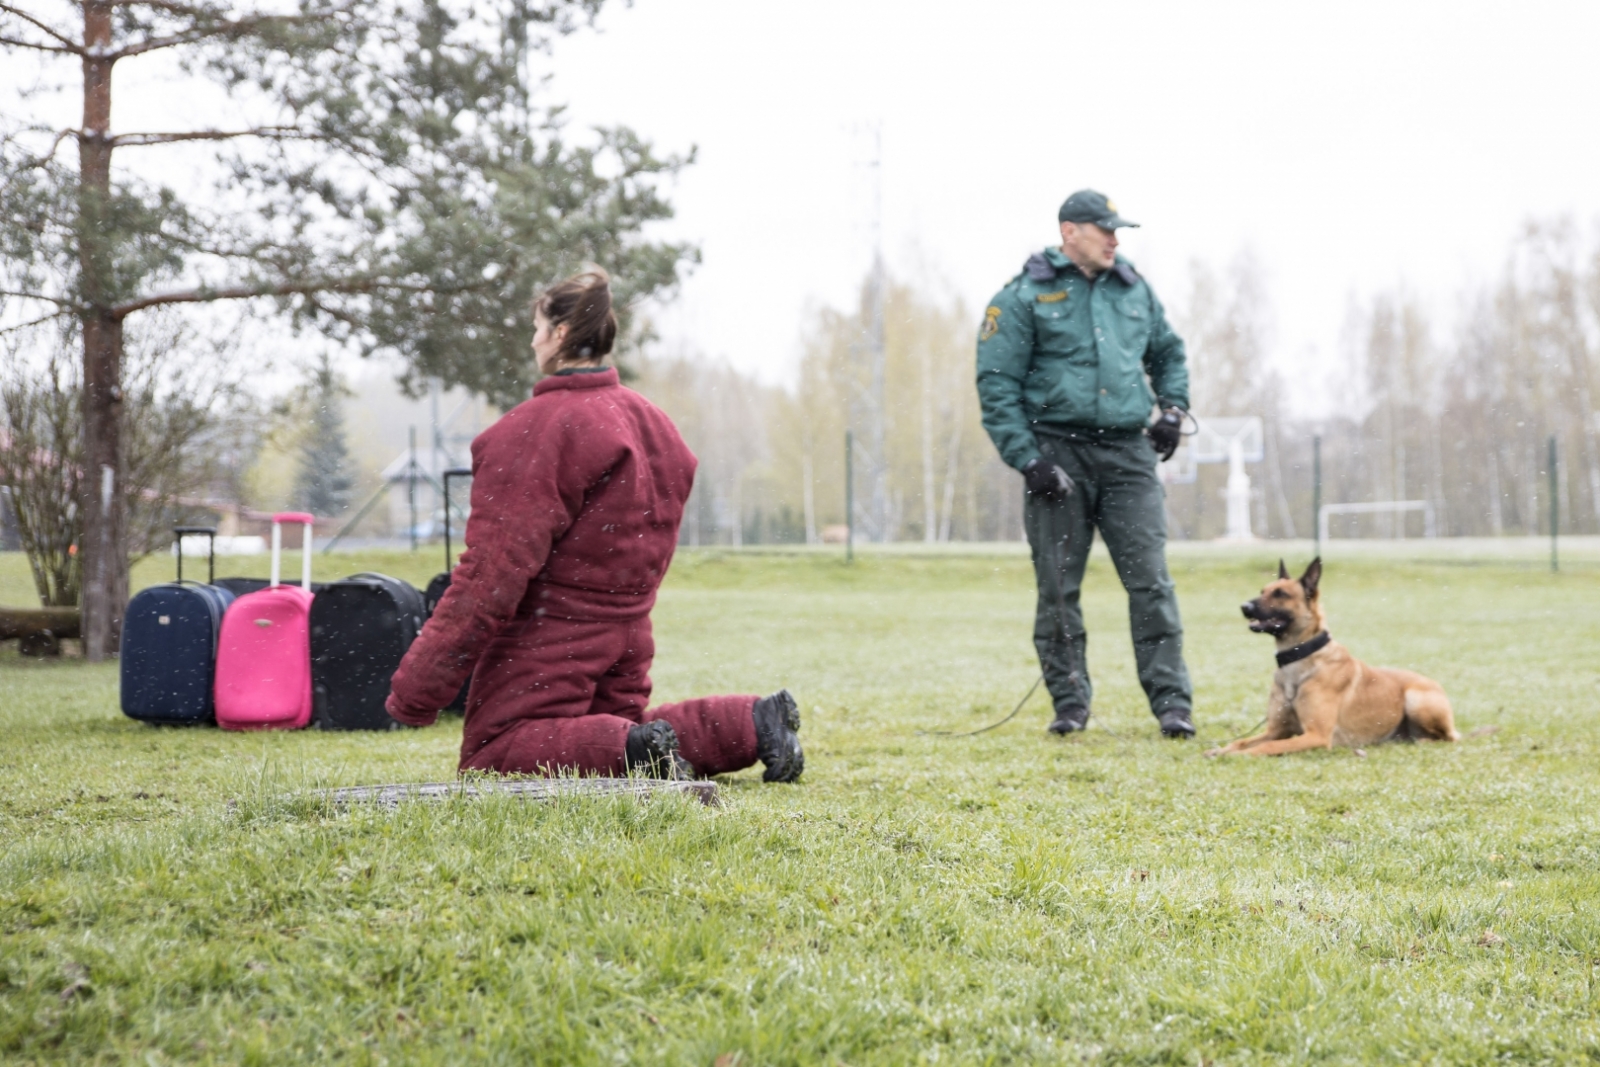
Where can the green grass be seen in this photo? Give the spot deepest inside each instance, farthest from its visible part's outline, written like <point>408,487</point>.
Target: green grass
<point>1006,899</point>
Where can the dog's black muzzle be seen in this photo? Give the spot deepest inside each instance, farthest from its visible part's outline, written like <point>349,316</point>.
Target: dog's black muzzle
<point>1265,620</point>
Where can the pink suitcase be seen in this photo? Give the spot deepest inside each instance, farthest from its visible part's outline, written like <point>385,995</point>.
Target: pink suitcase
<point>264,649</point>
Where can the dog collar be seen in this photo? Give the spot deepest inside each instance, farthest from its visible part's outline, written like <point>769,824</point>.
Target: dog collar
<point>1300,652</point>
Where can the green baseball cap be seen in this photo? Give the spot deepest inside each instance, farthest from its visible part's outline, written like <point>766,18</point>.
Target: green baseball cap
<point>1086,205</point>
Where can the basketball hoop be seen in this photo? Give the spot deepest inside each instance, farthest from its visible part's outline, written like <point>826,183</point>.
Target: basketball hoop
<point>1234,440</point>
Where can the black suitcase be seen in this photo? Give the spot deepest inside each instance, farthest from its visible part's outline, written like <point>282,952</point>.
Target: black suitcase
<point>441,582</point>
<point>169,646</point>
<point>360,630</point>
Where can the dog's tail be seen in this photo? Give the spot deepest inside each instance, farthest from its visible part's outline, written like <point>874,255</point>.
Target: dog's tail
<point>1428,714</point>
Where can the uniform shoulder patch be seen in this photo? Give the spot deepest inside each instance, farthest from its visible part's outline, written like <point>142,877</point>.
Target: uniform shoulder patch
<point>991,323</point>
<point>1052,298</point>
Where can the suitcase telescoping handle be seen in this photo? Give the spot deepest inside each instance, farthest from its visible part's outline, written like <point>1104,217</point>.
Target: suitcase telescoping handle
<point>454,472</point>
<point>305,545</point>
<point>180,532</point>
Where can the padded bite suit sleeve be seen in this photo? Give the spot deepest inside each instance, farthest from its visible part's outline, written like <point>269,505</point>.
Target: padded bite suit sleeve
<point>528,485</point>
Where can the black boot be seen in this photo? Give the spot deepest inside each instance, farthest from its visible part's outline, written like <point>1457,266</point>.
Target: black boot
<point>653,751</point>
<point>1070,719</point>
<point>777,719</point>
<point>1176,724</point>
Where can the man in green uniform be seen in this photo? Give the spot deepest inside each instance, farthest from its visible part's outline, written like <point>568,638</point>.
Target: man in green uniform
<point>1074,358</point>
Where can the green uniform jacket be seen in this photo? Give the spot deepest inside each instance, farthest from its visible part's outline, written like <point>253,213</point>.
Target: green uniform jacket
<point>1056,349</point>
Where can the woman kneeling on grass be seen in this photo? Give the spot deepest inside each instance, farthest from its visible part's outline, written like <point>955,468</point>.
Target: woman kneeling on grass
<point>577,495</point>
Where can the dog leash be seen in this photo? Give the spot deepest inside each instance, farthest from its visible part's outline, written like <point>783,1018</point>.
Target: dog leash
<point>1061,607</point>
<point>992,726</point>
<point>1248,732</point>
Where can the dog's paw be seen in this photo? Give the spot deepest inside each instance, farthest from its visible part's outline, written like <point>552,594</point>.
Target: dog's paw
<point>1213,753</point>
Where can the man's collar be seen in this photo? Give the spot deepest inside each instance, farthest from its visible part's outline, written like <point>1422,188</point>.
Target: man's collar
<point>597,380</point>
<point>1060,261</point>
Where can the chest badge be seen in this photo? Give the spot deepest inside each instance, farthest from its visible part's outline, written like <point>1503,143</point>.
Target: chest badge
<point>991,323</point>
<point>1052,298</point>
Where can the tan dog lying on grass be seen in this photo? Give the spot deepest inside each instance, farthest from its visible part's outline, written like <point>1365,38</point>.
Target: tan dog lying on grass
<point>1322,695</point>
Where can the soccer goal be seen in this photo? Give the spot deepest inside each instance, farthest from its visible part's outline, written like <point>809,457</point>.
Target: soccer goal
<point>1379,507</point>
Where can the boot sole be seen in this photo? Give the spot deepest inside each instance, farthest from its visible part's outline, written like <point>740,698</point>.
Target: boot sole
<point>788,769</point>
<point>789,709</point>
<point>661,752</point>
<point>790,763</point>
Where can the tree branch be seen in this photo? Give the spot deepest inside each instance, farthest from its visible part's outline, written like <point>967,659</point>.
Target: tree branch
<point>156,43</point>
<point>236,28</point>
<point>51,31</point>
<point>56,314</point>
<point>61,135</point>
<point>166,7</point>
<point>125,140</point>
<point>206,295</point>
<point>67,305</point>
<point>17,42</point>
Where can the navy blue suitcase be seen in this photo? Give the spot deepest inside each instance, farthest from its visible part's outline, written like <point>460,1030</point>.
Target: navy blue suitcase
<point>169,646</point>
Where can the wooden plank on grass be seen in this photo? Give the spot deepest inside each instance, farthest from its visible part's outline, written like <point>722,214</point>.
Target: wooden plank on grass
<point>389,796</point>
<point>30,622</point>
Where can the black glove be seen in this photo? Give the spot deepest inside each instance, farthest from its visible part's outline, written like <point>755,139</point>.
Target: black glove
<point>1047,479</point>
<point>1166,432</point>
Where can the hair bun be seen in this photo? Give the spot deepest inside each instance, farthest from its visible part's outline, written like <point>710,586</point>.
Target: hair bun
<point>582,303</point>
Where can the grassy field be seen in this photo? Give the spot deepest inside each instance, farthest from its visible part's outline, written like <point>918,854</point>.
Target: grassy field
<point>1012,898</point>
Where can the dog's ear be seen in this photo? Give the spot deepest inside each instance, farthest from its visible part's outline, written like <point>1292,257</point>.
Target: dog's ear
<point>1283,572</point>
<point>1312,576</point>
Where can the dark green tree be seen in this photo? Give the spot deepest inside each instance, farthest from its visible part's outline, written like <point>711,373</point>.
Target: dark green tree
<point>392,183</point>
<point>322,483</point>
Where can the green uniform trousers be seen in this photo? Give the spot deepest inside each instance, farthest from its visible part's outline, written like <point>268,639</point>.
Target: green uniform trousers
<point>1118,494</point>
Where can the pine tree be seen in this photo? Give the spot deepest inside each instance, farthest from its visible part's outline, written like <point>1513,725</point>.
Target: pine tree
<point>323,484</point>
<point>392,182</point>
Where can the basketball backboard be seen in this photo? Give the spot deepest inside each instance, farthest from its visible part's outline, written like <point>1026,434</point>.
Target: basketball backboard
<point>1215,437</point>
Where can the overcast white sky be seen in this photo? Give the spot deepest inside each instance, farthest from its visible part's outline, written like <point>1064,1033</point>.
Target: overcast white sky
<point>1350,145</point>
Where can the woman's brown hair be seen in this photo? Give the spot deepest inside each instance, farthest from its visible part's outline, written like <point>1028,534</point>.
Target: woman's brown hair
<point>582,303</point>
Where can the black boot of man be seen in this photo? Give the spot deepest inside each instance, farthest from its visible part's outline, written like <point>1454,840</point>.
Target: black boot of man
<point>777,719</point>
<point>1176,723</point>
<point>1070,720</point>
<point>652,750</point>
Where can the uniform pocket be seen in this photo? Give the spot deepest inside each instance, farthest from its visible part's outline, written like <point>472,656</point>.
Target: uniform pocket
<point>1133,322</point>
<point>1060,335</point>
<point>1062,388</point>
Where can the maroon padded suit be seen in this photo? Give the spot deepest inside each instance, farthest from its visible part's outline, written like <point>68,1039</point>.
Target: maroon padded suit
<point>576,499</point>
